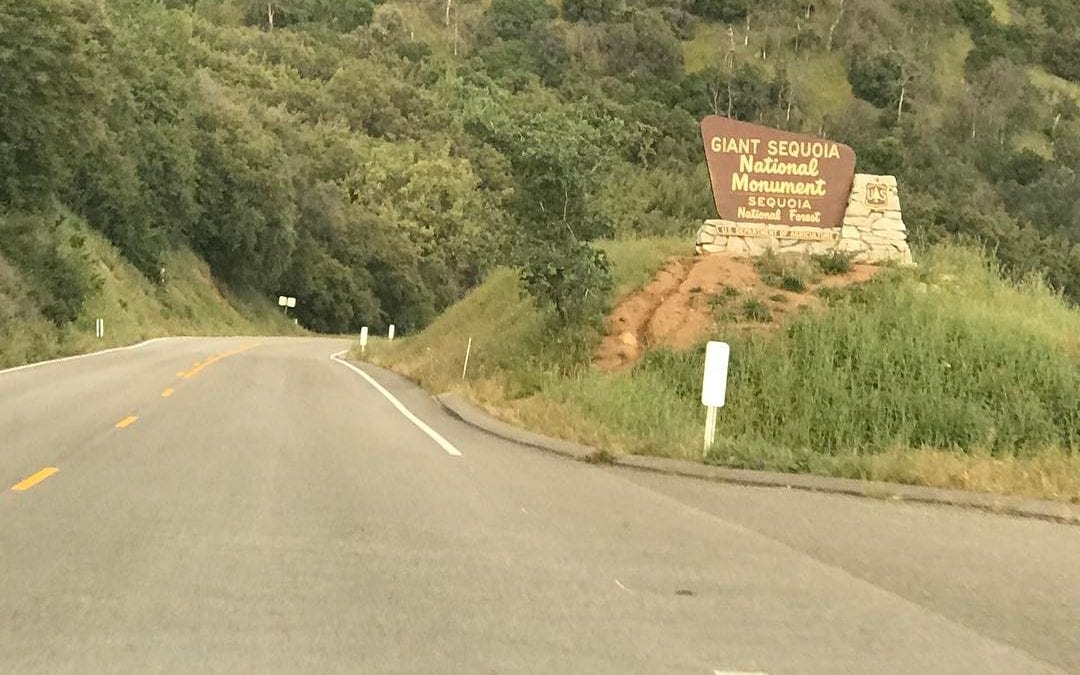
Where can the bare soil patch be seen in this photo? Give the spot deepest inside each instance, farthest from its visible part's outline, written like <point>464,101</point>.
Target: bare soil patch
<point>682,305</point>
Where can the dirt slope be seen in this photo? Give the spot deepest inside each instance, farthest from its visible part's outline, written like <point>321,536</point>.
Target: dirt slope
<point>678,308</point>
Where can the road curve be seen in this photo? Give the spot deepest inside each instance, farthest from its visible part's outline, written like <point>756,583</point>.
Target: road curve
<point>250,505</point>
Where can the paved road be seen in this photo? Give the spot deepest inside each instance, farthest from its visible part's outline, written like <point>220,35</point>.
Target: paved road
<point>275,513</point>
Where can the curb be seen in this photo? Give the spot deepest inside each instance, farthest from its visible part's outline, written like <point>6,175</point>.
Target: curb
<point>461,408</point>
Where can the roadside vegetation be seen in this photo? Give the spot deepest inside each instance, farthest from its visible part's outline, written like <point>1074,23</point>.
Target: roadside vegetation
<point>946,375</point>
<point>132,307</point>
<point>378,159</point>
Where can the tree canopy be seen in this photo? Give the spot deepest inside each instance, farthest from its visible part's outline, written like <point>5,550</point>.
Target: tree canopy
<point>377,159</point>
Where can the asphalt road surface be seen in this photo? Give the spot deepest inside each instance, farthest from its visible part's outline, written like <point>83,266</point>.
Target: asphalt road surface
<point>251,506</point>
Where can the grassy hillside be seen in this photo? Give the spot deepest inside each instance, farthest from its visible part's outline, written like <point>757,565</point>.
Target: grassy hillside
<point>190,302</point>
<point>378,158</point>
<point>947,375</point>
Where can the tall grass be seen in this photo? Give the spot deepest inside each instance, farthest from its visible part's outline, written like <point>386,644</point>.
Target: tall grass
<point>511,339</point>
<point>897,372</point>
<point>945,375</point>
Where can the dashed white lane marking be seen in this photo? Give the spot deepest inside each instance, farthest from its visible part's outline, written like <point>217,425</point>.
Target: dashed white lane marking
<point>435,436</point>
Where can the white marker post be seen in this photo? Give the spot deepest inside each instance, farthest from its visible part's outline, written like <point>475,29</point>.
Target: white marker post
<point>465,368</point>
<point>390,333</point>
<point>99,328</point>
<point>714,386</point>
<point>363,339</point>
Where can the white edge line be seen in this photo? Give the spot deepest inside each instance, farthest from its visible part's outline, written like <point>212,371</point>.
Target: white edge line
<point>80,356</point>
<point>435,436</point>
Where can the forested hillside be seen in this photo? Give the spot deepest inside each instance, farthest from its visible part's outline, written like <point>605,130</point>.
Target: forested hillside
<point>376,160</point>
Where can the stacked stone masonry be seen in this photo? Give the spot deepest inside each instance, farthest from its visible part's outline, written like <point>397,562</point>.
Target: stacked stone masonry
<point>873,230</point>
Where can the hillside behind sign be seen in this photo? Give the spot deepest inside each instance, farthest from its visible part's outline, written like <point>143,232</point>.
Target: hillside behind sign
<point>773,177</point>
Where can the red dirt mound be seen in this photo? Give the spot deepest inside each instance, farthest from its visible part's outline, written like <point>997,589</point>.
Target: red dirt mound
<point>676,309</point>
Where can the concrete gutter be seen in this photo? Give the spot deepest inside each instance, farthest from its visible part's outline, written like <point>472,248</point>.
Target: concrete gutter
<point>1060,512</point>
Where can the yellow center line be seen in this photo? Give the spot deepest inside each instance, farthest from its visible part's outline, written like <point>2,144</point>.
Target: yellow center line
<point>199,367</point>
<point>168,392</point>
<point>31,481</point>
<point>126,422</point>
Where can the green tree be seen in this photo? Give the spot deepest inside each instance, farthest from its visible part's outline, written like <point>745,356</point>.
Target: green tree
<point>556,158</point>
<point>726,11</point>
<point>50,251</point>
<point>593,10</point>
<point>645,45</point>
<point>52,93</point>
<point>515,19</point>
<point>246,198</point>
<point>338,15</point>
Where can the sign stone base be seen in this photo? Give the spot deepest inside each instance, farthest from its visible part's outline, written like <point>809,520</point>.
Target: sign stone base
<point>873,230</point>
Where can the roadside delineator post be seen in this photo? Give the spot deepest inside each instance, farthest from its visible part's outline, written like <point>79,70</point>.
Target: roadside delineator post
<point>99,328</point>
<point>714,387</point>
<point>390,333</point>
<point>363,339</point>
<point>465,368</point>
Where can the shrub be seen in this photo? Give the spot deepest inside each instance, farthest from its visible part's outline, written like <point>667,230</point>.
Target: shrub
<point>793,284</point>
<point>790,271</point>
<point>833,263</point>
<point>50,253</point>
<point>755,310</point>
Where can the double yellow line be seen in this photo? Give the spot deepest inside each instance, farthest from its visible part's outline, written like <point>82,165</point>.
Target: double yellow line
<point>31,481</point>
<point>187,375</point>
<point>199,367</point>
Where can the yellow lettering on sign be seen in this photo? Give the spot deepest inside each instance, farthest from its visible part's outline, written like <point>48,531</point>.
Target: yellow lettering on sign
<point>739,146</point>
<point>741,182</point>
<point>804,149</point>
<point>769,165</point>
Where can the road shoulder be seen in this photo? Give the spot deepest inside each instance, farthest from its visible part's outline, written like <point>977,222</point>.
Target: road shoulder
<point>461,408</point>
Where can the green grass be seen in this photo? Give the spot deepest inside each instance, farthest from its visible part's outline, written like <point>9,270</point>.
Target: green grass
<point>1002,11</point>
<point>634,262</point>
<point>819,79</point>
<point>707,48</point>
<point>133,308</point>
<point>788,271</point>
<point>949,59</point>
<point>1054,88</point>
<point>512,341</point>
<point>943,375</point>
<point>1036,142</point>
<point>821,86</point>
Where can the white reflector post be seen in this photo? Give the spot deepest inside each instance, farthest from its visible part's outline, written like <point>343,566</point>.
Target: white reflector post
<point>714,387</point>
<point>363,338</point>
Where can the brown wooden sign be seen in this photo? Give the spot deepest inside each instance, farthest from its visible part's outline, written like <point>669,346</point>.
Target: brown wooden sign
<point>763,175</point>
